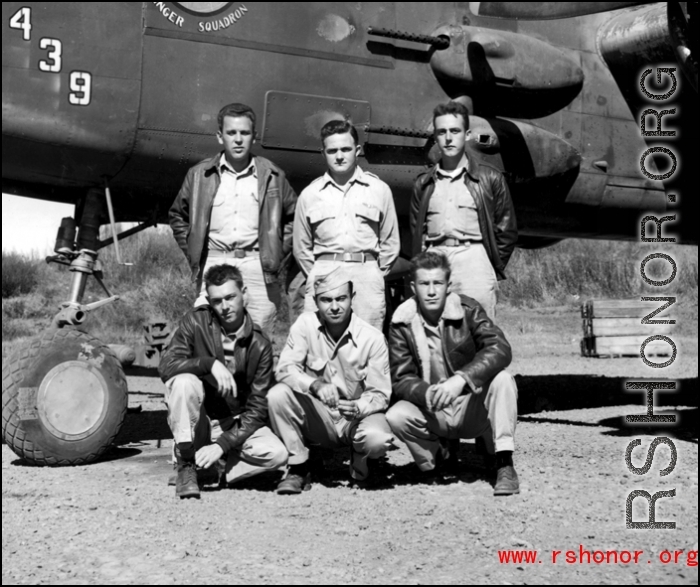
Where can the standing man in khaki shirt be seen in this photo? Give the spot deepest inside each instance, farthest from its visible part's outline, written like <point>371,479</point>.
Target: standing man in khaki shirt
<point>347,218</point>
<point>463,209</point>
<point>237,209</point>
<point>334,385</point>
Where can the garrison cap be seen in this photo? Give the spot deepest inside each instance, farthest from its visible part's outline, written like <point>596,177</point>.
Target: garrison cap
<point>330,281</point>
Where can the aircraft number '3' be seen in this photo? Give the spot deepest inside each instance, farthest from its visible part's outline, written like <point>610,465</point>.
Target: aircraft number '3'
<point>80,81</point>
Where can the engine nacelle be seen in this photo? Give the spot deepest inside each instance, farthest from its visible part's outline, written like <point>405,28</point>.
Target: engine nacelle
<point>506,73</point>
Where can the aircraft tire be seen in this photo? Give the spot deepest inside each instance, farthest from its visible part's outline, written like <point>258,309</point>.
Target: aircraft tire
<point>64,398</point>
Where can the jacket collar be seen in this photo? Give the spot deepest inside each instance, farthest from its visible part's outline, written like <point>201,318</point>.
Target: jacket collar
<point>248,325</point>
<point>407,311</point>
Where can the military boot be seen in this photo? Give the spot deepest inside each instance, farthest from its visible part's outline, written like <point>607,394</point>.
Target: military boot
<point>186,484</point>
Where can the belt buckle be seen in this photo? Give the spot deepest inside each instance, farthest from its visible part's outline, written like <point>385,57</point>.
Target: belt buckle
<point>239,253</point>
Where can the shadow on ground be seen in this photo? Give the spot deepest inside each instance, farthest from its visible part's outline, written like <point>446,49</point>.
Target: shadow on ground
<point>573,392</point>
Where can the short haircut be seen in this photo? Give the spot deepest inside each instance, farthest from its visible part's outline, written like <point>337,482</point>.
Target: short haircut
<point>237,110</point>
<point>338,127</point>
<point>220,274</point>
<point>430,260</point>
<point>454,108</point>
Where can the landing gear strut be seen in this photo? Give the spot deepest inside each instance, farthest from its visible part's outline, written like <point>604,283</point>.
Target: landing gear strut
<point>64,394</point>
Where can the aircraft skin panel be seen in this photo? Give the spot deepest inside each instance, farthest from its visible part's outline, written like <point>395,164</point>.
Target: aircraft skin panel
<point>70,90</point>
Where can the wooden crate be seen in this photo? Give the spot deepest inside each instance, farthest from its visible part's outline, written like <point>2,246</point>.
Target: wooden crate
<point>613,328</point>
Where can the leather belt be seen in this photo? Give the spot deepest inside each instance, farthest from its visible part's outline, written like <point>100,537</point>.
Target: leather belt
<point>347,257</point>
<point>235,253</point>
<point>453,242</point>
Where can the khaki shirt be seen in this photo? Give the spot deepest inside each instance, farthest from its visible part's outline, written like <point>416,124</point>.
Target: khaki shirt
<point>358,364</point>
<point>358,219</point>
<point>452,211</point>
<point>235,213</point>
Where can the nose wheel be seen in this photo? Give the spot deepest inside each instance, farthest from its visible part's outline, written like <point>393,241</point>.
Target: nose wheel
<point>64,398</point>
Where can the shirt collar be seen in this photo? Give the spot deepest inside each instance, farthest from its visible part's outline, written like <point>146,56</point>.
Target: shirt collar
<point>357,177</point>
<point>243,332</point>
<point>427,326</point>
<point>453,175</point>
<point>250,170</point>
<point>350,332</point>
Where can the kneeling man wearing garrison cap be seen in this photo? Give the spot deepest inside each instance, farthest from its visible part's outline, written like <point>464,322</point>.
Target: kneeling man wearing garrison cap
<point>447,366</point>
<point>218,369</point>
<point>334,385</point>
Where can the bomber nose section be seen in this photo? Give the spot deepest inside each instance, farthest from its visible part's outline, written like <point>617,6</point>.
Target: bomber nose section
<point>79,93</point>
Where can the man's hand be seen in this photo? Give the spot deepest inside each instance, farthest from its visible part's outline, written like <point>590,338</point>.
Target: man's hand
<point>429,395</point>
<point>348,409</point>
<point>444,393</point>
<point>208,455</point>
<point>326,392</point>
<point>224,379</point>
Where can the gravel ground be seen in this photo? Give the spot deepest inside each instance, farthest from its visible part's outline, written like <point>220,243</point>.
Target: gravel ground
<point>117,521</point>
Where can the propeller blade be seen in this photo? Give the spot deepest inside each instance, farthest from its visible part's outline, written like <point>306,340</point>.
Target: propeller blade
<point>544,10</point>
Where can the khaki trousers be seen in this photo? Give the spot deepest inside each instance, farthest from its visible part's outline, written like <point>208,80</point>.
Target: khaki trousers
<point>369,302</point>
<point>298,418</point>
<point>188,421</point>
<point>472,274</point>
<point>491,414</point>
<point>261,299</point>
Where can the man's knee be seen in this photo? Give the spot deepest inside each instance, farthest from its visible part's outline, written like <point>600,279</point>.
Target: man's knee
<point>401,416</point>
<point>279,397</point>
<point>374,441</point>
<point>186,386</point>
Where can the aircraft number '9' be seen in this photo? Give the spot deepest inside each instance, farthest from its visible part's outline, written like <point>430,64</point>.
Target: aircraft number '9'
<point>80,81</point>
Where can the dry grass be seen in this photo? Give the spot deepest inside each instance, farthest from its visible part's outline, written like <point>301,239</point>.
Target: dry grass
<point>158,284</point>
<point>577,269</point>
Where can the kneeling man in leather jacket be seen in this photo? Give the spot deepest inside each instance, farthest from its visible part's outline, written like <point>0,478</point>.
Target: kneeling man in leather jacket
<point>447,368</point>
<point>218,370</point>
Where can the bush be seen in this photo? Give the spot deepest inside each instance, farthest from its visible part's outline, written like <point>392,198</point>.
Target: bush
<point>20,274</point>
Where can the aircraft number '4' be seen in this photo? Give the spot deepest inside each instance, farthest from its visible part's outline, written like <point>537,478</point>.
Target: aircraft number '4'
<point>80,81</point>
<point>22,19</point>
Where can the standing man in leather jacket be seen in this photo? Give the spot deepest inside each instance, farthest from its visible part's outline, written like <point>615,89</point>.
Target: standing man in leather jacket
<point>238,209</point>
<point>463,209</point>
<point>448,363</point>
<point>218,370</point>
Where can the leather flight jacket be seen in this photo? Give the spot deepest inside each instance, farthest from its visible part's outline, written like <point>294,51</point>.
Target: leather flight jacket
<point>494,207</point>
<point>190,215</point>
<point>194,348</point>
<point>473,348</point>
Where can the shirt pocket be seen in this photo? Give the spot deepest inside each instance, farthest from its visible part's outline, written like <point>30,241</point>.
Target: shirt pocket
<point>368,216</point>
<point>316,366</point>
<point>466,200</point>
<point>356,379</point>
<point>322,220</point>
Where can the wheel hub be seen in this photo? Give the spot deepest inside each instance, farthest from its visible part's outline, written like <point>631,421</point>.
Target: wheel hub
<point>72,401</point>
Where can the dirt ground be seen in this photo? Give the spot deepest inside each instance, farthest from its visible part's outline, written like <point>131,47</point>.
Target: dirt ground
<point>117,521</point>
